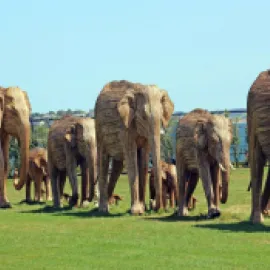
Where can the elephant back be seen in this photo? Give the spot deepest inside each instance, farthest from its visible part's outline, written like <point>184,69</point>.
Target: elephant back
<point>108,121</point>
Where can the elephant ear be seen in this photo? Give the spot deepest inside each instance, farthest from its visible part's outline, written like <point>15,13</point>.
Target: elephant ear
<point>27,101</point>
<point>167,106</point>
<point>71,136</point>
<point>125,108</point>
<point>2,104</point>
<point>200,135</point>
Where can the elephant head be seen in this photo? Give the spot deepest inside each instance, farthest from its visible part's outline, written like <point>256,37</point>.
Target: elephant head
<point>215,136</point>
<point>82,139</point>
<point>41,162</point>
<point>16,109</point>
<point>147,110</point>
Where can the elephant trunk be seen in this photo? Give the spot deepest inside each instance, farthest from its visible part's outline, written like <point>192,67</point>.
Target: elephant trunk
<point>93,174</point>
<point>24,141</point>
<point>225,174</point>
<point>155,149</point>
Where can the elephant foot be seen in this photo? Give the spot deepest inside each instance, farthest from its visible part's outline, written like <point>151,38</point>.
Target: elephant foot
<point>257,218</point>
<point>73,200</point>
<point>152,204</point>
<point>5,204</point>
<point>96,204</point>
<point>85,204</point>
<point>28,200</point>
<point>103,208</point>
<point>213,213</point>
<point>137,209</point>
<point>182,212</point>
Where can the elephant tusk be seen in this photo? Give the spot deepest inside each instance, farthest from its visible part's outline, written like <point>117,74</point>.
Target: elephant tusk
<point>232,166</point>
<point>222,168</point>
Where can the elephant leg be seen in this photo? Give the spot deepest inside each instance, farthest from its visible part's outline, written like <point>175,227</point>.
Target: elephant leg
<point>103,170</point>
<point>143,159</point>
<point>257,167</point>
<point>131,158</point>
<point>215,173</point>
<point>55,187</point>
<point>117,168</point>
<point>4,160</point>
<point>181,177</point>
<point>48,189</point>
<point>62,181</point>
<point>72,175</point>
<point>28,189</point>
<point>38,182</point>
<point>84,184</point>
<point>172,197</point>
<point>204,171</point>
<point>191,186</point>
<point>164,194</point>
<point>266,193</point>
<point>152,191</point>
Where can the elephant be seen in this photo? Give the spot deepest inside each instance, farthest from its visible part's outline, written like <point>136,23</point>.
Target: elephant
<point>258,126</point>
<point>72,142</point>
<point>203,149</point>
<point>169,185</point>
<point>38,172</point>
<point>15,110</point>
<point>129,117</point>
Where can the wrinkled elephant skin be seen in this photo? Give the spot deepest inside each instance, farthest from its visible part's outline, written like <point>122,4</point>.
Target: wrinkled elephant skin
<point>203,149</point>
<point>129,117</point>
<point>38,173</point>
<point>15,110</point>
<point>72,142</point>
<point>258,125</point>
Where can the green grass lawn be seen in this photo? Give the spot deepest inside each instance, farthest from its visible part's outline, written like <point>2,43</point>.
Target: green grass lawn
<point>33,238</point>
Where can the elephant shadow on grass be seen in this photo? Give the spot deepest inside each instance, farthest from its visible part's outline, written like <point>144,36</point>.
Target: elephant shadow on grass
<point>242,226</point>
<point>175,218</point>
<point>32,202</point>
<point>71,212</point>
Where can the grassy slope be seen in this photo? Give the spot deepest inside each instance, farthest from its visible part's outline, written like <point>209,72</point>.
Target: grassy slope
<point>32,238</point>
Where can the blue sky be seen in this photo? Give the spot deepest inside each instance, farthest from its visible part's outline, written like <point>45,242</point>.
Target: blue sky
<point>204,53</point>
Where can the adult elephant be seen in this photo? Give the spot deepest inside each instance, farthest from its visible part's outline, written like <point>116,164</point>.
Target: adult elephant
<point>258,123</point>
<point>72,142</point>
<point>15,110</point>
<point>38,173</point>
<point>203,149</point>
<point>129,117</point>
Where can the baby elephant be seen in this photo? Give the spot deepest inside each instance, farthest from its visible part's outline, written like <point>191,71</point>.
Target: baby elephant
<point>38,173</point>
<point>169,185</point>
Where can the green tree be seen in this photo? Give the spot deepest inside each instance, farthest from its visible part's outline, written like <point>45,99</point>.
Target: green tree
<point>166,143</point>
<point>236,142</point>
<point>39,136</point>
<point>226,113</point>
<point>14,156</point>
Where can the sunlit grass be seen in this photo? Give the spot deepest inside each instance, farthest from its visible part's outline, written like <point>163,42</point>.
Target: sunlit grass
<point>35,237</point>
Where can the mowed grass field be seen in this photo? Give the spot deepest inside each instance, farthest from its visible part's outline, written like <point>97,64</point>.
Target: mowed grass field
<point>35,237</point>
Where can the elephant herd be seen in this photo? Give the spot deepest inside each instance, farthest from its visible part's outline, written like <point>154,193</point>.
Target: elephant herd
<point>129,118</point>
